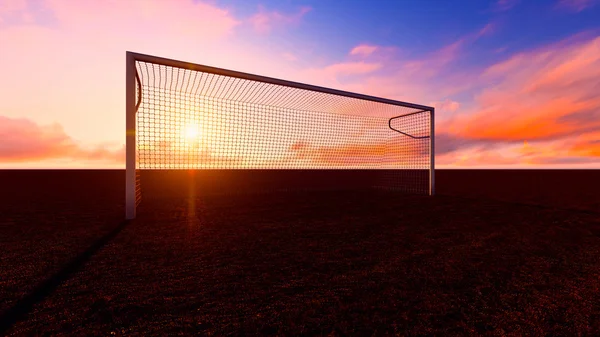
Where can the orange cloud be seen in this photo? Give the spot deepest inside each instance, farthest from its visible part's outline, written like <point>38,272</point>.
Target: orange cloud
<point>264,21</point>
<point>586,145</point>
<point>539,120</point>
<point>540,95</point>
<point>26,141</point>
<point>476,157</point>
<point>564,152</point>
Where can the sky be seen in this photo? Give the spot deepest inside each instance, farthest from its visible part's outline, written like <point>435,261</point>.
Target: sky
<point>515,83</point>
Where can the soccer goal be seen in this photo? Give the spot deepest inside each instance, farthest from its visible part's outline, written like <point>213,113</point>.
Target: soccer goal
<point>185,116</point>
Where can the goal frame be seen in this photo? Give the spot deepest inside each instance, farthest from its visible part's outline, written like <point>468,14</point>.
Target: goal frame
<point>131,101</point>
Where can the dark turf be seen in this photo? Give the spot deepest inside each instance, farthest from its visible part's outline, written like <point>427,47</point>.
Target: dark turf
<point>341,263</point>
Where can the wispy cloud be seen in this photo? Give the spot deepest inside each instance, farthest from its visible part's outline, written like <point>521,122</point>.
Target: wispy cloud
<point>440,61</point>
<point>432,64</point>
<point>575,5</point>
<point>504,5</point>
<point>264,21</point>
<point>486,30</point>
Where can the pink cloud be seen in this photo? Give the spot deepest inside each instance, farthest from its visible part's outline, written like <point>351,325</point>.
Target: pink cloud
<point>363,50</point>
<point>25,141</point>
<point>188,17</point>
<point>264,21</point>
<point>11,6</point>
<point>576,5</point>
<point>13,11</point>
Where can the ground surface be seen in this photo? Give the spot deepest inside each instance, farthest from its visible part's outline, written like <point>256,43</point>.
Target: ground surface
<point>299,263</point>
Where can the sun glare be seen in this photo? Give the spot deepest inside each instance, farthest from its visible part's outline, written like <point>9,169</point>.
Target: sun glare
<point>192,132</point>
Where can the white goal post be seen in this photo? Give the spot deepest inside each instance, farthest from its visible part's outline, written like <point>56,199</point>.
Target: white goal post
<point>185,116</point>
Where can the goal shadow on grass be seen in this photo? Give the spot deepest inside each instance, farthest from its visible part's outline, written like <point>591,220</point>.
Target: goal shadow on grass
<point>25,305</point>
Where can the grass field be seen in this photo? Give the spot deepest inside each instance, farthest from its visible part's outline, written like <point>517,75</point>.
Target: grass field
<point>465,262</point>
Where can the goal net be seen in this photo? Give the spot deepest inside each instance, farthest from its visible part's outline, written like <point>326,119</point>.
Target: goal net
<point>183,116</point>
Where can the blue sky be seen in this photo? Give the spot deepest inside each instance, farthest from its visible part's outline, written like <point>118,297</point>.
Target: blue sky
<point>424,26</point>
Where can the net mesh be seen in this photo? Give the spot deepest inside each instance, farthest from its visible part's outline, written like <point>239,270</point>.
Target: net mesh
<point>190,119</point>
